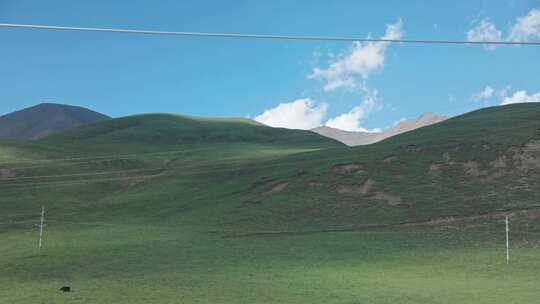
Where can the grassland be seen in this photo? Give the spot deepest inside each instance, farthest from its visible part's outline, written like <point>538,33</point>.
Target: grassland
<point>173,209</point>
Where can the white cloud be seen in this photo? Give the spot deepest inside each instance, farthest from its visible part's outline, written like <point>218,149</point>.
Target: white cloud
<point>487,93</point>
<point>298,114</point>
<point>521,97</point>
<point>351,121</point>
<point>484,30</point>
<point>348,70</point>
<point>505,95</point>
<point>526,27</point>
<point>360,60</point>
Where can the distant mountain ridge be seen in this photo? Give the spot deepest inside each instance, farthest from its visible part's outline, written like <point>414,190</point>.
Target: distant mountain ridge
<point>45,119</point>
<point>352,138</point>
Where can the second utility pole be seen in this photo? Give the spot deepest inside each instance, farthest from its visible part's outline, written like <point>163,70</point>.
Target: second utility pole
<point>41,225</point>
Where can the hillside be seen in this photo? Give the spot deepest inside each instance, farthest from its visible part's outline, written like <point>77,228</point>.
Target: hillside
<point>358,138</point>
<point>172,129</point>
<point>475,163</point>
<point>480,162</point>
<point>45,119</point>
<point>167,208</point>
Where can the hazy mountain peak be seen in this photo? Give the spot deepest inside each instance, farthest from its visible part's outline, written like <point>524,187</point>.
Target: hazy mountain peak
<point>352,138</point>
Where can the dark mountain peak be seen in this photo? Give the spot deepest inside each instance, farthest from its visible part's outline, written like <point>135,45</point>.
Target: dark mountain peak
<point>52,104</point>
<point>45,119</point>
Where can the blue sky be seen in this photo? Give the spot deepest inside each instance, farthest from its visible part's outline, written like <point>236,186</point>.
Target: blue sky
<point>298,83</point>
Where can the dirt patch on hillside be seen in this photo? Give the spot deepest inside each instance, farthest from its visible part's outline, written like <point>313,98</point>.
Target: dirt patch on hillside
<point>435,170</point>
<point>351,168</point>
<point>364,188</point>
<point>389,159</point>
<point>369,190</point>
<point>516,159</point>
<point>392,200</point>
<point>500,163</point>
<point>348,189</point>
<point>6,173</point>
<point>527,157</point>
<point>275,187</point>
<point>472,168</point>
<point>446,156</point>
<point>532,146</point>
<point>367,186</point>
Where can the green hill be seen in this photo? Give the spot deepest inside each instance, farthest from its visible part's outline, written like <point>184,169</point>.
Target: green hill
<point>481,162</point>
<point>169,129</point>
<point>164,208</point>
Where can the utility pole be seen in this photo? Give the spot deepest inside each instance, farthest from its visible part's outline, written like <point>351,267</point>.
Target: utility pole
<point>507,242</point>
<point>41,225</point>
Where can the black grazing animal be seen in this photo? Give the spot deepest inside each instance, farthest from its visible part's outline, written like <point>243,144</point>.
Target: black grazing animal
<point>65,289</point>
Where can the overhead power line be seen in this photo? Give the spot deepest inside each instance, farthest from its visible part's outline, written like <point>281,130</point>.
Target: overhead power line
<point>257,36</point>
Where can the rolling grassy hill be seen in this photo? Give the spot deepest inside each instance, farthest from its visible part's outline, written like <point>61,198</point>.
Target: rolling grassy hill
<point>172,209</point>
